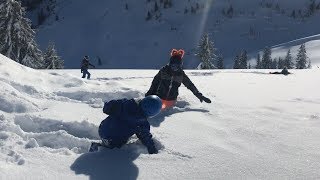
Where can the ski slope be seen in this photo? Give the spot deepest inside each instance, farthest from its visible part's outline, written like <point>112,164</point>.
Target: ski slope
<point>259,126</point>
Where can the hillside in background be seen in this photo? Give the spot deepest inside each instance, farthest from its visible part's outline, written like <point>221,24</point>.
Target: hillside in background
<point>120,34</point>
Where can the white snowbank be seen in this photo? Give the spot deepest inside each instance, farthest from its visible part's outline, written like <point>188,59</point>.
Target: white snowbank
<point>259,126</point>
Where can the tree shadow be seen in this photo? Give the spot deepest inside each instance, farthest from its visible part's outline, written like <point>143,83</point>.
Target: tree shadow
<point>181,106</point>
<point>108,164</point>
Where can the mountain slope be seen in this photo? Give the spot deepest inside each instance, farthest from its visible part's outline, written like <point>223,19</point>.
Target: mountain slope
<point>124,39</point>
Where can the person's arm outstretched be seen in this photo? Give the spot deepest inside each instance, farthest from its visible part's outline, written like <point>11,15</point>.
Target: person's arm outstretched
<point>187,82</point>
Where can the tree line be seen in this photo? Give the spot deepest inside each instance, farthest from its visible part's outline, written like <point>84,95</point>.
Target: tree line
<point>210,59</point>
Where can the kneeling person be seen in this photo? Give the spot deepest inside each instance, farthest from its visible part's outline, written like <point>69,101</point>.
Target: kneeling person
<point>126,118</point>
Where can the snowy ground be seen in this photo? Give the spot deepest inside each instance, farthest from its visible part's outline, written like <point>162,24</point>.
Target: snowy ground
<point>259,126</point>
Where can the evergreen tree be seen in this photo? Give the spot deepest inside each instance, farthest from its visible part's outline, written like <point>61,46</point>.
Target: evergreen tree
<point>51,58</point>
<point>302,57</point>
<point>266,58</point>
<point>274,64</point>
<point>288,61</point>
<point>258,66</point>
<point>148,16</point>
<point>243,60</point>
<point>309,65</point>
<point>236,64</point>
<point>156,7</point>
<point>230,12</point>
<point>16,36</point>
<point>318,6</point>
<point>280,63</point>
<point>206,52</point>
<point>220,64</point>
<point>312,8</point>
<point>293,14</point>
<point>186,10</point>
<point>99,61</point>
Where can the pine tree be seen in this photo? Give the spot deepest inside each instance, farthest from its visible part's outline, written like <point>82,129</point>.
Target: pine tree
<point>302,57</point>
<point>309,65</point>
<point>51,58</point>
<point>156,7</point>
<point>258,66</point>
<point>206,52</point>
<point>16,36</point>
<point>280,63</point>
<point>318,6</point>
<point>148,16</point>
<point>236,64</point>
<point>243,60</point>
<point>99,61</point>
<point>266,58</point>
<point>288,62</point>
<point>274,64</point>
<point>220,64</point>
<point>312,8</point>
<point>230,12</point>
<point>293,14</point>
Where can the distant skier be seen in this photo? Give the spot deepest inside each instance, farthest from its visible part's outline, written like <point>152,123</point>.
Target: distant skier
<point>168,80</point>
<point>126,118</point>
<point>85,66</point>
<point>284,72</point>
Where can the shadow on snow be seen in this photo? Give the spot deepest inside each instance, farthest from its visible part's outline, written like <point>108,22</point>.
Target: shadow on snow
<point>181,106</point>
<point>107,164</point>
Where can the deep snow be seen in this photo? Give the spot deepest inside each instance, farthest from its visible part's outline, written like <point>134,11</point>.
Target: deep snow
<point>259,126</point>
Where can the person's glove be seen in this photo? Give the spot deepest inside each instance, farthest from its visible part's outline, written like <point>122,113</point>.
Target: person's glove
<point>203,98</point>
<point>81,70</point>
<point>152,150</point>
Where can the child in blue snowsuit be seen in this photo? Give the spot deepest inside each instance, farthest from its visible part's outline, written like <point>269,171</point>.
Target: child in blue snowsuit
<point>126,118</point>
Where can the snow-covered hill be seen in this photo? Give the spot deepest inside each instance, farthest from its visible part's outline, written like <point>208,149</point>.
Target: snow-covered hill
<point>122,38</point>
<point>259,126</point>
<point>312,46</point>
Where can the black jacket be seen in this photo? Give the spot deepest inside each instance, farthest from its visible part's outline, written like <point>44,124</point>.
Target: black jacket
<point>85,64</point>
<point>167,82</point>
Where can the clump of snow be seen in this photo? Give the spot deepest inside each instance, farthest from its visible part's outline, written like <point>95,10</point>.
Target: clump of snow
<point>32,143</point>
<point>35,124</point>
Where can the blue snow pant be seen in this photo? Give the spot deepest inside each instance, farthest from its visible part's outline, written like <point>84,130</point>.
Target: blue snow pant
<point>85,72</point>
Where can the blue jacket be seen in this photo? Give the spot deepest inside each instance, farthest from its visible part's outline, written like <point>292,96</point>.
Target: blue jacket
<point>125,119</point>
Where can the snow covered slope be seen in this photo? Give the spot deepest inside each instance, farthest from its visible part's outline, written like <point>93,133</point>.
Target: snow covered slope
<point>312,46</point>
<point>124,39</point>
<point>259,126</point>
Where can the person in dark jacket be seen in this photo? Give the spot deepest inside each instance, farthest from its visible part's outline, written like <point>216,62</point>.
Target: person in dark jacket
<point>168,80</point>
<point>284,72</point>
<point>85,66</point>
<point>126,118</point>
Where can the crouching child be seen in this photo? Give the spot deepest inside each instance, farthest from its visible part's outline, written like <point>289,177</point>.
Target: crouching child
<point>126,118</point>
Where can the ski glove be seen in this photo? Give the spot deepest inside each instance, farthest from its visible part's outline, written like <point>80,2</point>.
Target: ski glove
<point>203,98</point>
<point>152,150</point>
